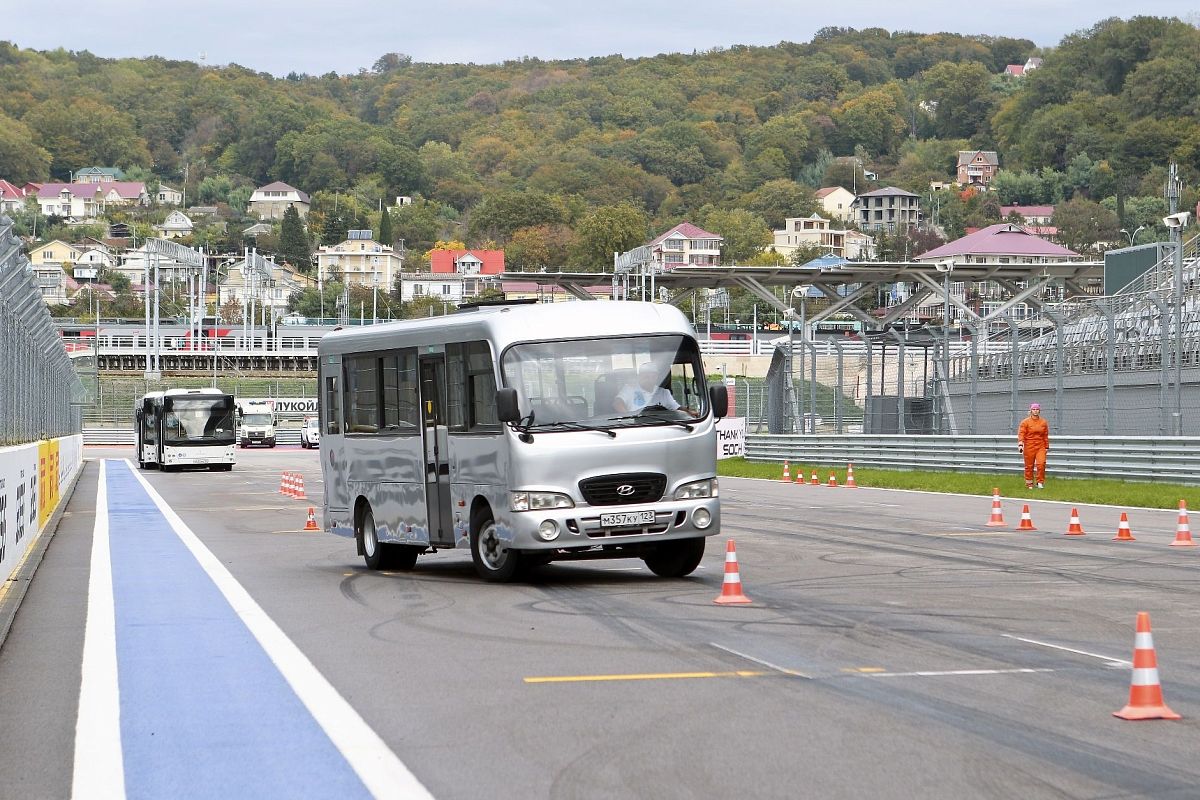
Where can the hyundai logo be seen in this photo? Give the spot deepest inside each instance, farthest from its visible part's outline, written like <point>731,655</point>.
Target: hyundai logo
<point>624,490</point>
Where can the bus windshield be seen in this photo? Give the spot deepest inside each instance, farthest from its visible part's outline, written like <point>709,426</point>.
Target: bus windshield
<point>199,421</point>
<point>609,383</point>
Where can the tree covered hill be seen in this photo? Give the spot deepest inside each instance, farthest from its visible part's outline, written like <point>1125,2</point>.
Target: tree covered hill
<point>546,151</point>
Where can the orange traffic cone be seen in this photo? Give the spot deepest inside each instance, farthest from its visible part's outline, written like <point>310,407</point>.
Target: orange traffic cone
<point>298,487</point>
<point>997,518</point>
<point>731,589</point>
<point>832,481</point>
<point>787,475</point>
<point>283,484</point>
<point>311,525</point>
<point>1075,528</point>
<point>1183,533</point>
<point>814,481</point>
<point>850,484</point>
<point>291,484</point>
<point>1123,532</point>
<point>799,476</point>
<point>1145,692</point>
<point>1026,520</point>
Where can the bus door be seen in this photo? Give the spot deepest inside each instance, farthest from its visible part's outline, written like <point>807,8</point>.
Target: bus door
<point>437,457</point>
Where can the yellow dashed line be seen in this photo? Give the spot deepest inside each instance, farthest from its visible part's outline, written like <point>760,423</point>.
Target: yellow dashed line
<point>648,676</point>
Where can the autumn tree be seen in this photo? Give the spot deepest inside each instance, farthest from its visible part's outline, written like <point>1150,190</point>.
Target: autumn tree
<point>1083,225</point>
<point>608,230</point>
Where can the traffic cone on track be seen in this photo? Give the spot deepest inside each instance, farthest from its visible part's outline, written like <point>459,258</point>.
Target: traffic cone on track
<point>1123,532</point>
<point>787,475</point>
<point>311,524</point>
<point>814,481</point>
<point>1026,520</point>
<point>298,487</point>
<point>731,588</point>
<point>997,518</point>
<point>1183,532</point>
<point>832,481</point>
<point>850,484</point>
<point>1145,692</point>
<point>800,476</point>
<point>283,484</point>
<point>1075,528</point>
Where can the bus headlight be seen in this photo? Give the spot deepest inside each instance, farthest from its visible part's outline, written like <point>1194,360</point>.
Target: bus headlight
<point>539,501</point>
<point>701,518</point>
<point>548,530</point>
<point>697,489</point>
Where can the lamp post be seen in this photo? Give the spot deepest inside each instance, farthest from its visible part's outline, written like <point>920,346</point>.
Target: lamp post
<point>1133,236</point>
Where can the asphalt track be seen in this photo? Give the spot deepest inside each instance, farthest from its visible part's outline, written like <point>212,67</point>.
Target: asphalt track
<point>896,647</point>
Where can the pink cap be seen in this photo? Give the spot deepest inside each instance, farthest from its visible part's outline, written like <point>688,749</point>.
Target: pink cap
<point>1032,406</point>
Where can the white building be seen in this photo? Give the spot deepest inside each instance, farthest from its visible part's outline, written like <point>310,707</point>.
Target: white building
<point>447,287</point>
<point>836,202</point>
<point>270,289</point>
<point>686,245</point>
<point>816,231</point>
<point>175,226</point>
<point>166,196</point>
<point>270,201</point>
<point>359,260</point>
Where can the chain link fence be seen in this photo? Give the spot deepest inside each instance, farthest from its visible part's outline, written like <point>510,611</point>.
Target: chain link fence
<point>40,394</point>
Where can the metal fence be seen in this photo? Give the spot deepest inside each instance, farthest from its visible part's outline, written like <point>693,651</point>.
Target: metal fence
<point>39,390</point>
<point>1123,365</point>
<point>1175,459</point>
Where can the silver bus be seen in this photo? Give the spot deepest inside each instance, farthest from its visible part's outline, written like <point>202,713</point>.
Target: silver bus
<point>527,433</point>
<point>185,428</point>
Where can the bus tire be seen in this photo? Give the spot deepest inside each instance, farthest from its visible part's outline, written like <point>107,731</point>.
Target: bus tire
<point>374,553</point>
<point>676,559</point>
<point>492,562</point>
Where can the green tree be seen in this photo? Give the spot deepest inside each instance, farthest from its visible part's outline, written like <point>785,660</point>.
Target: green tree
<point>963,95</point>
<point>294,247</point>
<point>744,232</point>
<point>386,236</point>
<point>1083,224</point>
<point>777,200</point>
<point>84,133</point>
<point>22,159</point>
<point>501,213</point>
<point>608,230</point>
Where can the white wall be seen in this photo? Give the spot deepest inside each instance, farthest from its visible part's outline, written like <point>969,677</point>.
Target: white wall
<point>33,478</point>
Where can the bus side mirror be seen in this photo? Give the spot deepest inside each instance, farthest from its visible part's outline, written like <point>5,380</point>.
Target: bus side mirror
<point>718,395</point>
<point>507,407</point>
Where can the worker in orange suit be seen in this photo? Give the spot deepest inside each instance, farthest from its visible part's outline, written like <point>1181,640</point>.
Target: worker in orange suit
<point>1033,439</point>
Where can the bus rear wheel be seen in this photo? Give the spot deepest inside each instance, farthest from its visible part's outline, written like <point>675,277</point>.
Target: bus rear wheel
<point>676,559</point>
<point>493,561</point>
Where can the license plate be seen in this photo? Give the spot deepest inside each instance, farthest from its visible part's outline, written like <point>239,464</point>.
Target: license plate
<point>626,519</point>
<point>201,461</point>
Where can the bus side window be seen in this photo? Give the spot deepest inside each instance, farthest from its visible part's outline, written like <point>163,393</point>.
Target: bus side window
<point>471,387</point>
<point>401,411</point>
<point>331,406</point>
<point>362,394</point>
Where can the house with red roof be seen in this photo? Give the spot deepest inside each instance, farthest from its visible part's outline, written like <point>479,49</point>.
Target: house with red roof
<point>12,197</point>
<point>1002,243</point>
<point>89,200</point>
<point>977,167</point>
<point>686,245</point>
<point>466,262</point>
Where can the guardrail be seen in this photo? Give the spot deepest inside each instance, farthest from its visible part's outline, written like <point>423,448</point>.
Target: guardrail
<point>125,437</point>
<point>1144,458</point>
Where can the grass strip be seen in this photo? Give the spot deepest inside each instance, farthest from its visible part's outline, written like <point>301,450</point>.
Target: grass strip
<point>1132,494</point>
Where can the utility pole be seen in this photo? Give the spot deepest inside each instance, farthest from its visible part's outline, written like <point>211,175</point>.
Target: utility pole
<point>1174,186</point>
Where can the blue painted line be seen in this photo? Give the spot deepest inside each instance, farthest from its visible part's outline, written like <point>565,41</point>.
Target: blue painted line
<point>204,711</point>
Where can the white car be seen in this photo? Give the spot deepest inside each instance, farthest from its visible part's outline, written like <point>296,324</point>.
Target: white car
<point>310,434</point>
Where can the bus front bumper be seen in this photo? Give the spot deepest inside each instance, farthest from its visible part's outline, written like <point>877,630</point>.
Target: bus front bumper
<point>591,526</point>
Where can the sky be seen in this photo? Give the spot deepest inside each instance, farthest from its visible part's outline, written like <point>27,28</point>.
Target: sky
<point>320,36</point>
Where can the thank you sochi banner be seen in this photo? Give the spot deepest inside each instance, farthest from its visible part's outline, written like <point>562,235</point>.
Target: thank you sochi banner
<point>731,437</point>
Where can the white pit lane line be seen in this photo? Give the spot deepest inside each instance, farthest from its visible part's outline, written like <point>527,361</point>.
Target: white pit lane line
<point>1112,662</point>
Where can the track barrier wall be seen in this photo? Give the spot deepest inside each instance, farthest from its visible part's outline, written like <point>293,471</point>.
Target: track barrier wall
<point>33,479</point>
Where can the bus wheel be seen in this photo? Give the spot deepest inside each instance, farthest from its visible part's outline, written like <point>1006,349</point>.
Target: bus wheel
<point>492,560</point>
<point>676,559</point>
<point>373,551</point>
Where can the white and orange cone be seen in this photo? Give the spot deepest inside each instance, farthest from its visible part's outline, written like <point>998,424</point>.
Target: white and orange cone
<point>800,476</point>
<point>283,484</point>
<point>787,474</point>
<point>1145,692</point>
<point>1183,532</point>
<point>731,588</point>
<point>1123,532</point>
<point>311,524</point>
<point>1026,520</point>
<point>298,487</point>
<point>997,518</point>
<point>1075,528</point>
<point>832,481</point>
<point>814,480</point>
<point>850,484</point>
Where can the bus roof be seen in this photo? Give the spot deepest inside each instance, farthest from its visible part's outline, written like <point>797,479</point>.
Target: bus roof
<point>206,391</point>
<point>505,325</point>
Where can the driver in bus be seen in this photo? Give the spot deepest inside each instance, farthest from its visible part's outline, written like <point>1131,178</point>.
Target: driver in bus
<point>648,391</point>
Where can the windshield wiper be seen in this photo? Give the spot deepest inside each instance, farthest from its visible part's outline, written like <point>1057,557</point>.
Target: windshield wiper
<point>656,407</point>
<point>576,426</point>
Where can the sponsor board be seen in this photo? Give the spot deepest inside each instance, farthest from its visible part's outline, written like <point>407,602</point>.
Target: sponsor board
<point>284,405</point>
<point>731,437</point>
<point>32,479</point>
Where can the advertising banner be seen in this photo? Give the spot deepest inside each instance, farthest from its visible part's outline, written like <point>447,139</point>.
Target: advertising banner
<point>731,437</point>
<point>32,479</point>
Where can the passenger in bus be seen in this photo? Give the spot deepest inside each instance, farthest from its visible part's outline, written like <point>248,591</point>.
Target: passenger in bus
<point>648,391</point>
